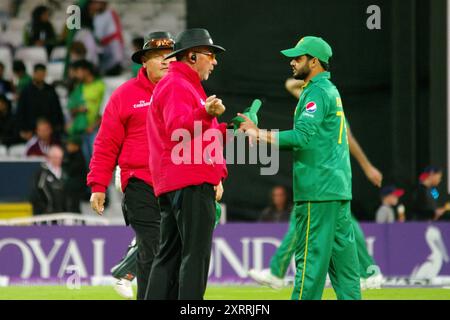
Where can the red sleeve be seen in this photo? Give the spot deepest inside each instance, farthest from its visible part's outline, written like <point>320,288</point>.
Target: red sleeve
<point>107,147</point>
<point>179,109</point>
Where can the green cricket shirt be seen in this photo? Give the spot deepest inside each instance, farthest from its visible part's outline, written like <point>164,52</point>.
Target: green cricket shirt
<point>319,142</point>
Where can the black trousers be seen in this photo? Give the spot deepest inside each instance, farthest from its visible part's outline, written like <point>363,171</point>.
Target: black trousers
<point>180,269</point>
<point>141,211</point>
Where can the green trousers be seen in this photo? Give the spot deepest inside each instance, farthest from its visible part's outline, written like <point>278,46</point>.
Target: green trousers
<point>326,244</point>
<point>367,265</point>
<point>280,261</point>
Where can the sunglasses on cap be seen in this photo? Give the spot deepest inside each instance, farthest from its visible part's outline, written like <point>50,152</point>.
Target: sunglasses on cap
<point>159,44</point>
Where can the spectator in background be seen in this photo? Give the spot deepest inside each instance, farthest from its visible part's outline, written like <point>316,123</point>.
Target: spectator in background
<point>41,142</point>
<point>138,44</point>
<point>7,133</point>
<point>425,205</point>
<point>92,91</point>
<point>69,36</point>
<point>77,124</point>
<point>6,86</point>
<point>77,51</point>
<point>390,196</point>
<point>40,31</point>
<point>74,168</point>
<point>39,100</point>
<point>23,78</point>
<point>85,36</point>
<point>108,31</point>
<point>47,194</point>
<point>279,208</point>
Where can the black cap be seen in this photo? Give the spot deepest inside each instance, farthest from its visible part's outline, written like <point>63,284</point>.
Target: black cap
<point>155,41</point>
<point>191,38</point>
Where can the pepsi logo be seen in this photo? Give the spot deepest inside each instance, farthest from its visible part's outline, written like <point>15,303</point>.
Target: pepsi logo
<point>311,107</point>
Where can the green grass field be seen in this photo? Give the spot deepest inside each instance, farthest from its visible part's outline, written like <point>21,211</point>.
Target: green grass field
<point>212,293</point>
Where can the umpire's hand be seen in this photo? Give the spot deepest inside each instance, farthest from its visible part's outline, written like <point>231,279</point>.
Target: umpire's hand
<point>98,202</point>
<point>219,191</point>
<point>214,106</point>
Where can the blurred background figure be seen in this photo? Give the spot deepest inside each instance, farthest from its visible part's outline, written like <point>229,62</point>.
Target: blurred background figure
<point>108,32</point>
<point>7,136</point>
<point>279,208</point>
<point>425,205</point>
<point>48,191</point>
<point>85,35</point>
<point>22,77</point>
<point>39,100</point>
<point>6,87</point>
<point>90,99</point>
<point>39,31</point>
<point>386,213</point>
<point>74,168</point>
<point>77,51</point>
<point>40,143</point>
<point>138,44</point>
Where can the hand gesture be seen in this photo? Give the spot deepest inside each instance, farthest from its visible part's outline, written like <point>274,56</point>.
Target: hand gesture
<point>214,106</point>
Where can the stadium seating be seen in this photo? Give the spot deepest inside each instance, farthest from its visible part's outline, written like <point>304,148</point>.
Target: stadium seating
<point>31,55</point>
<point>3,151</point>
<point>6,59</point>
<point>17,151</point>
<point>55,71</point>
<point>58,54</point>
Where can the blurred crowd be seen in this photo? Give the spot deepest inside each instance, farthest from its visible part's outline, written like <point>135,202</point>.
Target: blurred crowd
<point>36,120</point>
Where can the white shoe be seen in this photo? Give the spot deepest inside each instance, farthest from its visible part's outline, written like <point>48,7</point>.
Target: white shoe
<point>124,288</point>
<point>266,278</point>
<point>374,282</point>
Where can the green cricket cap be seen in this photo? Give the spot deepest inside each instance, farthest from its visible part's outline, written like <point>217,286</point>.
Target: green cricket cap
<point>314,46</point>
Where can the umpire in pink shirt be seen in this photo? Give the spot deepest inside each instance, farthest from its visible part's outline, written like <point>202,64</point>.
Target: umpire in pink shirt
<point>186,189</point>
<point>122,139</point>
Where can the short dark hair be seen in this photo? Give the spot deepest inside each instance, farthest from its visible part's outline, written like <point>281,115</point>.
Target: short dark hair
<point>19,66</point>
<point>4,99</point>
<point>325,66</point>
<point>79,48</point>
<point>42,120</point>
<point>39,66</point>
<point>84,64</point>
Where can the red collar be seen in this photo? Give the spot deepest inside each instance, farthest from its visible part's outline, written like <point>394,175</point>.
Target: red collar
<point>186,71</point>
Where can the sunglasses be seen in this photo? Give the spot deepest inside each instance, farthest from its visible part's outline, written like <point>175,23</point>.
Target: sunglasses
<point>211,55</point>
<point>159,44</point>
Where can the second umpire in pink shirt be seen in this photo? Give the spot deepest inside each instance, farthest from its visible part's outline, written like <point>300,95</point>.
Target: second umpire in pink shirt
<point>186,190</point>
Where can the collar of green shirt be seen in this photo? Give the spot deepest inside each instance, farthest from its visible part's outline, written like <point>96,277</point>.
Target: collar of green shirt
<point>320,76</point>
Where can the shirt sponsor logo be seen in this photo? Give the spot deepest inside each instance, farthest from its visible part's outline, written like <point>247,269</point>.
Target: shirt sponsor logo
<point>311,107</point>
<point>141,104</point>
